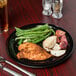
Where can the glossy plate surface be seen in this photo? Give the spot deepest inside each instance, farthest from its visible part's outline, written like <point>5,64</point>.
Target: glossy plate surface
<point>53,61</point>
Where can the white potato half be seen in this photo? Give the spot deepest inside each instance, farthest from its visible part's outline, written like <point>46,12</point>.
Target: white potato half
<point>49,42</point>
<point>57,53</point>
<point>47,49</point>
<point>57,47</point>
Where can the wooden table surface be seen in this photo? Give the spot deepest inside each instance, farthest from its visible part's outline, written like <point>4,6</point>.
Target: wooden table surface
<point>24,12</point>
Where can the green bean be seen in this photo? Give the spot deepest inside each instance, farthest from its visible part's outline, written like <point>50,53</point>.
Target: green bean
<point>20,41</point>
<point>30,36</point>
<point>37,32</point>
<point>34,35</point>
<point>39,40</point>
<point>17,38</point>
<point>39,27</point>
<point>52,31</point>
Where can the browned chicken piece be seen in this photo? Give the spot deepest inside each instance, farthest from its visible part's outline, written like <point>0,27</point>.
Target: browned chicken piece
<point>32,51</point>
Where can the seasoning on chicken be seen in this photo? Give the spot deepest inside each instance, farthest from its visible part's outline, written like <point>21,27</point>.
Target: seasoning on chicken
<point>32,51</point>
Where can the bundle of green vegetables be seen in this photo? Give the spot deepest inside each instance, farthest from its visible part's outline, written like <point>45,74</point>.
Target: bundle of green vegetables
<point>34,35</point>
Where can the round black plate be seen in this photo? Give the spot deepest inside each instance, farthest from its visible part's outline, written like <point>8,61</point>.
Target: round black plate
<point>12,50</point>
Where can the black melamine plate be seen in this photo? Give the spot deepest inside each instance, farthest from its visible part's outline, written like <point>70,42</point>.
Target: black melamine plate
<point>50,62</point>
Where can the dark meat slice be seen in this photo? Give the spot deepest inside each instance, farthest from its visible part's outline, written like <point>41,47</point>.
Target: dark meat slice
<point>59,33</point>
<point>64,42</point>
<point>32,51</point>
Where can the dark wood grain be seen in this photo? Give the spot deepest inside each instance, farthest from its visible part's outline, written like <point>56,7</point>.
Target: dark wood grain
<point>23,12</point>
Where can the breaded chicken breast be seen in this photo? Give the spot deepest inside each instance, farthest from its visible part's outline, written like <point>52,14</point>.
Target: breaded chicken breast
<point>32,51</point>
